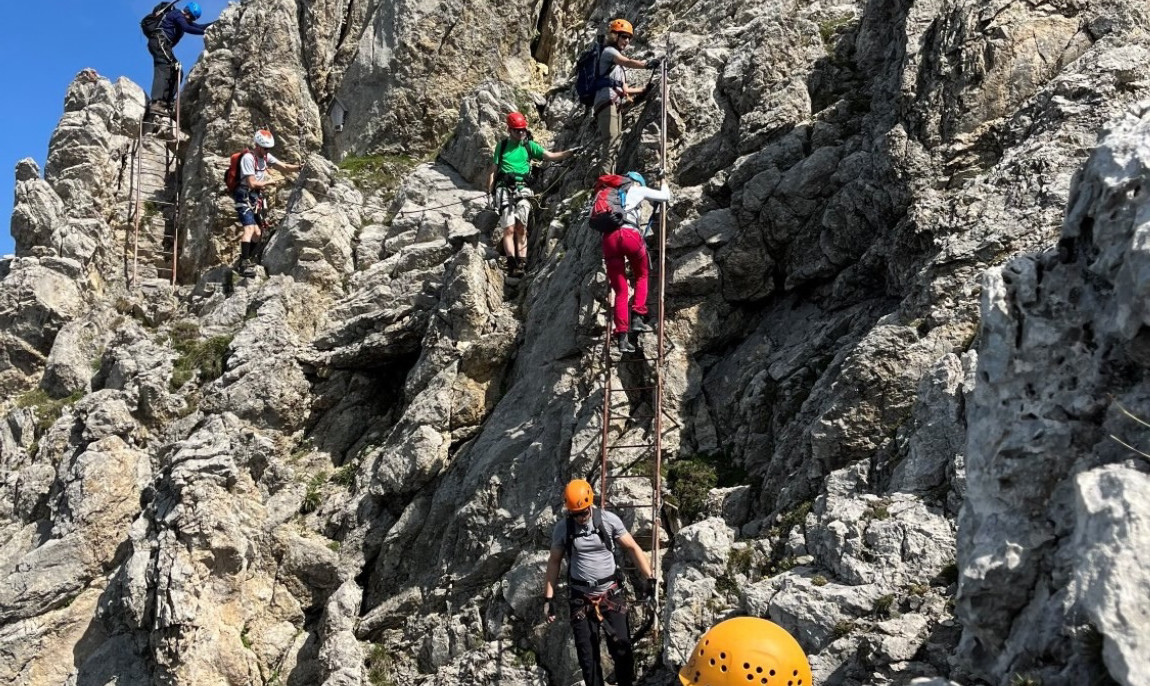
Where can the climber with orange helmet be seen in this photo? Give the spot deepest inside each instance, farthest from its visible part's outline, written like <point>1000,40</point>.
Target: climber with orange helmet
<point>587,537</point>
<point>746,650</point>
<point>615,92</point>
<point>252,181</point>
<point>507,188</point>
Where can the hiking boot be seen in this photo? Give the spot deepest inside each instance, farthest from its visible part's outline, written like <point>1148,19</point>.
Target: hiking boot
<point>247,268</point>
<point>639,323</point>
<point>623,343</point>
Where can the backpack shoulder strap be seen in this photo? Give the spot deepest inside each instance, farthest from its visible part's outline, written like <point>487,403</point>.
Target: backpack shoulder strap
<point>499,150</point>
<point>604,535</point>
<point>570,544</point>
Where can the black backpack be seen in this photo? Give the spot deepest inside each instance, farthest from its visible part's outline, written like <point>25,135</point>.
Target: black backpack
<point>587,78</point>
<point>150,24</point>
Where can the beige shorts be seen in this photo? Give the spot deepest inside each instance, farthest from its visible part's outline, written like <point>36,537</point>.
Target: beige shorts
<point>514,206</point>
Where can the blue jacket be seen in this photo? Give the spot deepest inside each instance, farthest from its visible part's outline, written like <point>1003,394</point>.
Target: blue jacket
<point>175,24</point>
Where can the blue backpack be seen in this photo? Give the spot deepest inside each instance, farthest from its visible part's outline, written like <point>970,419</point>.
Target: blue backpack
<point>587,78</point>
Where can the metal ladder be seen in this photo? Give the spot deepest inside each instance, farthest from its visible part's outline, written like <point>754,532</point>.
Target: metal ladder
<point>154,197</point>
<point>618,459</point>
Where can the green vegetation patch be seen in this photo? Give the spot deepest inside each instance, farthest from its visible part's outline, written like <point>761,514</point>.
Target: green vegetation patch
<point>374,172</point>
<point>204,357</point>
<point>829,29</point>
<point>691,479</point>
<point>47,408</point>
<point>380,666</point>
<point>313,497</point>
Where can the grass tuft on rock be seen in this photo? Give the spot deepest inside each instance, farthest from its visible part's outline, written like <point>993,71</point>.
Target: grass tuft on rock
<point>374,172</point>
<point>46,408</point>
<point>205,358</point>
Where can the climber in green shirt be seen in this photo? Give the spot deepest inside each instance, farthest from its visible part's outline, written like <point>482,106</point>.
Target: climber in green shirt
<point>508,191</point>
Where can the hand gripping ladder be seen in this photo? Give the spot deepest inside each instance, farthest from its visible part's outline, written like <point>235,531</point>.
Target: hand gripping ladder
<point>154,198</point>
<point>638,459</point>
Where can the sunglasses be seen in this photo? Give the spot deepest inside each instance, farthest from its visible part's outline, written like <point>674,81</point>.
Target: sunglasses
<point>581,513</point>
<point>518,130</point>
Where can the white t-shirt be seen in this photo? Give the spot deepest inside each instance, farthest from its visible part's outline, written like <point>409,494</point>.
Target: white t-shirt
<point>636,194</point>
<point>251,165</point>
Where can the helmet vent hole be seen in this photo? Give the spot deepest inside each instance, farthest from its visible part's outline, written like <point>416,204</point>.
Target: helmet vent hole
<point>764,680</point>
<point>795,673</point>
<point>772,672</point>
<point>722,656</point>
<point>750,677</point>
<point>746,665</point>
<point>759,670</point>
<point>722,668</point>
<point>712,662</point>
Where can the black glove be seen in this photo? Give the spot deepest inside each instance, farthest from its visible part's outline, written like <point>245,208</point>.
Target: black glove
<point>549,609</point>
<point>649,589</point>
<point>655,62</point>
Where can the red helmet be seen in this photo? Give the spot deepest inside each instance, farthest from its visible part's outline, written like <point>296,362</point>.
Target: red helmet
<point>516,121</point>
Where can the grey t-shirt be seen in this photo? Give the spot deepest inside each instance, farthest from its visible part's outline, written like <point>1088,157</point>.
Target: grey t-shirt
<point>590,559</point>
<point>607,68</point>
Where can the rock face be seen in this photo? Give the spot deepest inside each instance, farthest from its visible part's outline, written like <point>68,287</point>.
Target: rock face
<point>1053,463</point>
<point>893,405</point>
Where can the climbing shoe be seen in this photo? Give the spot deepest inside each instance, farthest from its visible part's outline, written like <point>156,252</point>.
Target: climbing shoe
<point>639,323</point>
<point>623,343</point>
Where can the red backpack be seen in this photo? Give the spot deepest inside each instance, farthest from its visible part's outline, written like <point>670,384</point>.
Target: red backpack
<point>608,211</point>
<point>232,177</point>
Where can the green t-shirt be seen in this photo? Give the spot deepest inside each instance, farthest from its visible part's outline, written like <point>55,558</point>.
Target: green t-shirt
<point>517,157</point>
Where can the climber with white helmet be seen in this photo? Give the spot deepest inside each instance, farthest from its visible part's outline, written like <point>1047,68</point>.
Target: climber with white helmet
<point>164,27</point>
<point>746,650</point>
<point>614,91</point>
<point>507,188</point>
<point>587,537</point>
<point>252,180</point>
<point>624,244</point>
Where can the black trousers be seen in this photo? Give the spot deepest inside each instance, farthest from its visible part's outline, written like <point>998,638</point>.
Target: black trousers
<point>165,70</point>
<point>586,628</point>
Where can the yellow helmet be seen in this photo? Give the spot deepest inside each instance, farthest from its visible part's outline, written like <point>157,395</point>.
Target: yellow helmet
<point>621,26</point>
<point>578,495</point>
<point>746,651</point>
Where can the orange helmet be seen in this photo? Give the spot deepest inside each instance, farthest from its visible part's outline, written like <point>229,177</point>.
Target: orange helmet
<point>621,26</point>
<point>516,121</point>
<point>746,651</point>
<point>578,495</point>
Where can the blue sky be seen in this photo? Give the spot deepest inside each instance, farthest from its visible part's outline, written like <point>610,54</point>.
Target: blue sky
<point>43,45</point>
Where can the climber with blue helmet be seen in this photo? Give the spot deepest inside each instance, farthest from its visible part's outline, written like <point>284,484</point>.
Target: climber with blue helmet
<point>625,245</point>
<point>164,27</point>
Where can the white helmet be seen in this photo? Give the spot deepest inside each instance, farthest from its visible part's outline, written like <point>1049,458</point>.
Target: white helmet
<point>263,138</point>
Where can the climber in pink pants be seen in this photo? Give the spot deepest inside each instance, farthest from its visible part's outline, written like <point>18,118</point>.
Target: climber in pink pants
<point>626,245</point>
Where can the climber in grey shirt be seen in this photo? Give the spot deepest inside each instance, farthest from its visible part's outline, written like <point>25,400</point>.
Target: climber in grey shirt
<point>596,598</point>
<point>614,91</point>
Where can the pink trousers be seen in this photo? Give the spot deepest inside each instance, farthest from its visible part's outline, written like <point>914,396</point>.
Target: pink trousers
<point>620,247</point>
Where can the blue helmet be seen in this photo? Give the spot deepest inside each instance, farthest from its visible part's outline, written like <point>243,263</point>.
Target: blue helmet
<point>193,8</point>
<point>637,178</point>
